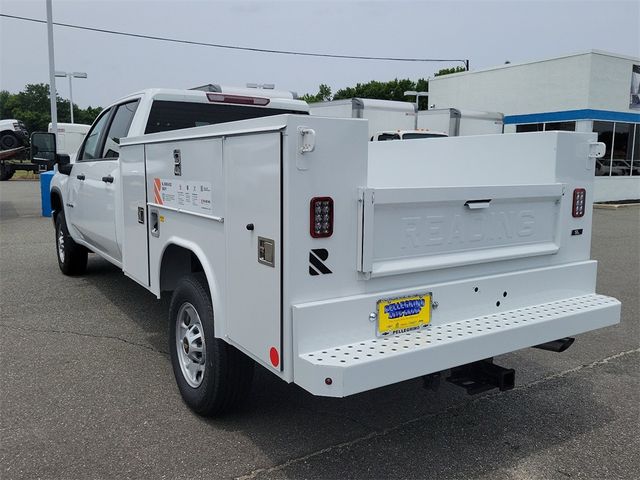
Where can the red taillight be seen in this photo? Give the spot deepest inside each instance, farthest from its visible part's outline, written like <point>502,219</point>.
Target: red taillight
<point>237,99</point>
<point>579,201</point>
<point>321,217</point>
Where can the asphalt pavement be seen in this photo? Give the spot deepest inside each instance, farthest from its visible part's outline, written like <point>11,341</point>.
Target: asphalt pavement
<point>87,390</point>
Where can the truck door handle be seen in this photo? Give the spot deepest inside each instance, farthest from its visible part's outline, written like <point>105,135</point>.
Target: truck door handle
<point>107,179</point>
<point>80,177</point>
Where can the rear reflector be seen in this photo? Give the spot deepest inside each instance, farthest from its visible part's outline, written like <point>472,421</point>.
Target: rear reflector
<point>237,99</point>
<point>321,217</point>
<point>579,198</point>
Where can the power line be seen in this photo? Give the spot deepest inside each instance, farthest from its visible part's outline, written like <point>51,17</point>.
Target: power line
<point>235,47</point>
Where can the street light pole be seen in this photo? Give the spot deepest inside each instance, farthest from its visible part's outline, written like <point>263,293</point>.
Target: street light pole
<point>411,93</point>
<point>52,70</point>
<point>71,97</point>
<point>71,75</point>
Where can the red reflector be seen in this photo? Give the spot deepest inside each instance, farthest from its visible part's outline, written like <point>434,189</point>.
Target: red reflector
<point>321,217</point>
<point>274,356</point>
<point>579,202</point>
<point>237,99</point>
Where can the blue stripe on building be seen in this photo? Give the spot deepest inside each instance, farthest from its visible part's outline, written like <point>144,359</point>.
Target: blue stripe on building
<point>569,115</point>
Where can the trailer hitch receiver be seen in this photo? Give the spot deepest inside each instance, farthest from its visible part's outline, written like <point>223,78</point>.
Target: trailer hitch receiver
<point>481,376</point>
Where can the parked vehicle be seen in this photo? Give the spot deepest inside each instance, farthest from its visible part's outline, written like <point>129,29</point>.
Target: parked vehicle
<point>338,264</point>
<point>13,142</point>
<point>13,134</point>
<point>406,135</point>
<point>70,136</point>
<point>382,115</point>
<point>457,122</point>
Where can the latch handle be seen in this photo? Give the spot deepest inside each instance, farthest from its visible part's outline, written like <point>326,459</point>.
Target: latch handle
<point>477,204</point>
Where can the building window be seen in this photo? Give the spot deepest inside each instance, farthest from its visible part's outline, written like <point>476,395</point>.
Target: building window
<point>564,126</point>
<point>530,127</point>
<point>621,139</point>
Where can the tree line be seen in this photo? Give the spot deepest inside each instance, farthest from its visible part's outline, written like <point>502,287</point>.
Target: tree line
<point>32,106</point>
<point>391,90</point>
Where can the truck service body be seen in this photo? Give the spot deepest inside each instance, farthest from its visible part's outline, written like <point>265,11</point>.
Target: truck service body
<point>336,263</point>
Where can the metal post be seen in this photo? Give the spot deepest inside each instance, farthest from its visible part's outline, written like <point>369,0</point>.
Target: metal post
<point>52,70</point>
<point>71,96</point>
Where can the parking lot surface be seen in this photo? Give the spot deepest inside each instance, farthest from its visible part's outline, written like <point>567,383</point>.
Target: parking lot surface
<point>87,390</point>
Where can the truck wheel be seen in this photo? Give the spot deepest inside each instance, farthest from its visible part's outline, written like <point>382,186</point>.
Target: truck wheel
<point>9,141</point>
<point>72,258</point>
<point>5,172</point>
<point>213,377</point>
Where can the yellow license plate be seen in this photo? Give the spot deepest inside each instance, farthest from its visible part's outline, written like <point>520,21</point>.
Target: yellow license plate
<point>398,315</point>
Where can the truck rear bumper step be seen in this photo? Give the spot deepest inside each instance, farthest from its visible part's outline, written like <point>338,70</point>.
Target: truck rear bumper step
<point>352,368</point>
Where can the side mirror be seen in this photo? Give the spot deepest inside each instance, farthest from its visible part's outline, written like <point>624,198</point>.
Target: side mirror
<point>43,150</point>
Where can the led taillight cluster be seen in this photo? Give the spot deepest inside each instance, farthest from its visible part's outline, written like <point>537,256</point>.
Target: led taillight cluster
<point>579,201</point>
<point>321,217</point>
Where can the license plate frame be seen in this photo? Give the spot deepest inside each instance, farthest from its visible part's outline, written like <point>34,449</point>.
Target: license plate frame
<point>403,314</point>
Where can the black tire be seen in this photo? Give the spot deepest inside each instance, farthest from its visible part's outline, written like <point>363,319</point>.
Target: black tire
<point>9,141</point>
<point>6,172</point>
<point>228,373</point>
<point>72,258</point>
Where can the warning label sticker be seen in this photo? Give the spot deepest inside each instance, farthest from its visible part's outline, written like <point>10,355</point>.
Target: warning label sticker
<point>187,195</point>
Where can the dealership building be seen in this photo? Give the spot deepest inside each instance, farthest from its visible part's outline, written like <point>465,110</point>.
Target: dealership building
<point>588,92</point>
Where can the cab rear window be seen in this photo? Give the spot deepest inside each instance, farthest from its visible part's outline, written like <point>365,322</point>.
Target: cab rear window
<point>167,115</point>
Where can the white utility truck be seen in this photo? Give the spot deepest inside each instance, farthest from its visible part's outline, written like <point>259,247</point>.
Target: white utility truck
<point>381,114</point>
<point>406,135</point>
<point>339,264</point>
<point>457,122</point>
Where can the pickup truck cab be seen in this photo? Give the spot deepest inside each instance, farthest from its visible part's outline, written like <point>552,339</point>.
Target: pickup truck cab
<point>339,264</point>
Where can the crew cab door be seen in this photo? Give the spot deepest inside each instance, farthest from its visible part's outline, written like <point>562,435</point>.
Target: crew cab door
<point>96,180</point>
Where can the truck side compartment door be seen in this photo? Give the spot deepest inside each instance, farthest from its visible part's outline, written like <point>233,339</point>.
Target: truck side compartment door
<point>254,244</point>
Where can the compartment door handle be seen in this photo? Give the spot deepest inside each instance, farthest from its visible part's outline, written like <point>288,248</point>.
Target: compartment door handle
<point>477,204</point>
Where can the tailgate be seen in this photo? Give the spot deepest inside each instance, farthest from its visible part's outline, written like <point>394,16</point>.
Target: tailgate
<point>406,230</point>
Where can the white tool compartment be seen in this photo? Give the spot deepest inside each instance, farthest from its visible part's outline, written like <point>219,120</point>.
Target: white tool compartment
<point>475,233</point>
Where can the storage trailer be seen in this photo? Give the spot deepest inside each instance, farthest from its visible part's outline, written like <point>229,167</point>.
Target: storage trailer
<point>455,122</point>
<point>381,114</point>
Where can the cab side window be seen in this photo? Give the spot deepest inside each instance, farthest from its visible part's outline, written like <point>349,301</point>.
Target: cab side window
<point>91,149</point>
<point>119,128</point>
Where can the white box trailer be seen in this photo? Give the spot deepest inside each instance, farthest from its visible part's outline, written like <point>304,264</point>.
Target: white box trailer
<point>457,122</point>
<point>494,253</point>
<point>70,136</point>
<point>381,114</point>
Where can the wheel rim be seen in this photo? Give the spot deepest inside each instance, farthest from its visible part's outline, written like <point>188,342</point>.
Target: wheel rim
<point>190,344</point>
<point>60,238</point>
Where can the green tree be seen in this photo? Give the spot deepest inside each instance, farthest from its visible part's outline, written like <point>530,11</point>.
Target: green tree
<point>323,95</point>
<point>449,71</point>
<point>32,106</point>
<point>391,90</point>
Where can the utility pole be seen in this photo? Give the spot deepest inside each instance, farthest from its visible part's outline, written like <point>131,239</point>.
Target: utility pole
<point>52,70</point>
<point>71,75</point>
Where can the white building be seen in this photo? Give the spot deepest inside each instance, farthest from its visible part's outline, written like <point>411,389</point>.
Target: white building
<point>587,92</point>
